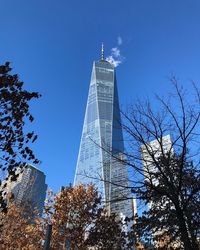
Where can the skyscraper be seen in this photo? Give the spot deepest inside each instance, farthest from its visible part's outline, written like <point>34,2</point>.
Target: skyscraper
<point>151,152</point>
<point>157,148</point>
<point>29,188</point>
<point>101,139</point>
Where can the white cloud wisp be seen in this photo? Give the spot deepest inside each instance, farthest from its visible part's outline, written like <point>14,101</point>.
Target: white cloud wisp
<point>119,40</point>
<point>115,57</point>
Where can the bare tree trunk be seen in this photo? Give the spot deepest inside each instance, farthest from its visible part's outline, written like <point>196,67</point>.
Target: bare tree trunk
<point>185,238</point>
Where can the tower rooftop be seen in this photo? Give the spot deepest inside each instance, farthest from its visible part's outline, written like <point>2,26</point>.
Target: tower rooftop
<point>103,60</point>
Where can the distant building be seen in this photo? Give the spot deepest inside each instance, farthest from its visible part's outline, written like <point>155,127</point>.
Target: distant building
<point>155,149</point>
<point>151,153</point>
<point>29,188</point>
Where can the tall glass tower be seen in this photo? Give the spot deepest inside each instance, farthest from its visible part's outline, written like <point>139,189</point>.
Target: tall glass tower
<point>102,138</point>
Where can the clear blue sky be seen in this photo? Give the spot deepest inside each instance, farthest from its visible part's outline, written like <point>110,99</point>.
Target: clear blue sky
<point>52,43</point>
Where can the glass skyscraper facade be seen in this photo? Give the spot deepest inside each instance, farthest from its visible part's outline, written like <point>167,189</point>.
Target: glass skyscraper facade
<point>29,188</point>
<point>101,139</point>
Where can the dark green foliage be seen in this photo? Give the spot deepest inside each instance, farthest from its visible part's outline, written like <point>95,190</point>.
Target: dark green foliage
<point>14,114</point>
<point>173,207</point>
<point>107,233</point>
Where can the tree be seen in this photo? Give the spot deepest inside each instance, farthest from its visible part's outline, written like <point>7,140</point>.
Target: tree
<point>77,217</point>
<point>17,231</point>
<point>166,176</point>
<point>71,213</point>
<point>14,114</point>
<point>107,233</point>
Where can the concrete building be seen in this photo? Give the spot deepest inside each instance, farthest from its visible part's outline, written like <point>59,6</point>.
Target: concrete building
<point>157,148</point>
<point>153,150</point>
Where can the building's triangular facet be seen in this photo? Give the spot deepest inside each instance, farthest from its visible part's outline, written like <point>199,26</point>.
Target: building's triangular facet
<point>101,135</point>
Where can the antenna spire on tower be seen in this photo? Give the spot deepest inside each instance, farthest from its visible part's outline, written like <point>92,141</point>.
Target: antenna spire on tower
<point>102,52</point>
